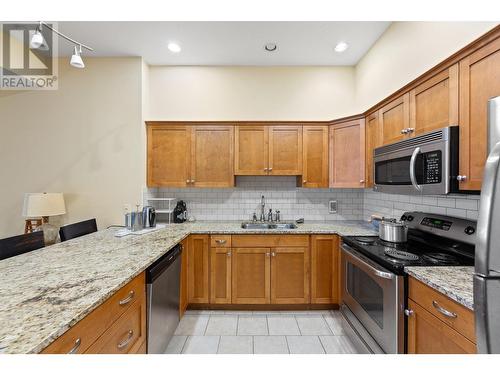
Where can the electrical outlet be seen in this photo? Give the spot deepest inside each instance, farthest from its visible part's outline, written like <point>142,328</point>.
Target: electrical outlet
<point>332,206</point>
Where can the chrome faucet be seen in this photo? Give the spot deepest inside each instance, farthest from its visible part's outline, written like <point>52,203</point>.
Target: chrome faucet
<point>262,207</point>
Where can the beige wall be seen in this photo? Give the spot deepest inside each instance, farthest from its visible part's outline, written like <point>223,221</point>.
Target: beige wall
<point>405,51</point>
<point>250,93</point>
<point>83,140</point>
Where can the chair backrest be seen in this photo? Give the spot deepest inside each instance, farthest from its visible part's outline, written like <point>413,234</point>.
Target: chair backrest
<point>77,229</point>
<point>12,246</point>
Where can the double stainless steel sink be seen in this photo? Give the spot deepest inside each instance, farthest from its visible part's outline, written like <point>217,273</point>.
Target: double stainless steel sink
<point>267,225</point>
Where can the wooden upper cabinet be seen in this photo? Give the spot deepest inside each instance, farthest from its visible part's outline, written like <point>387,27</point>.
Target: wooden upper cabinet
<point>212,156</point>
<point>220,275</point>
<point>434,103</point>
<point>197,261</point>
<point>251,275</point>
<point>315,156</point>
<point>168,161</point>
<point>479,81</point>
<point>347,154</point>
<point>394,118</point>
<point>372,141</point>
<point>251,150</point>
<point>290,275</point>
<point>325,269</point>
<point>429,335</point>
<point>285,150</point>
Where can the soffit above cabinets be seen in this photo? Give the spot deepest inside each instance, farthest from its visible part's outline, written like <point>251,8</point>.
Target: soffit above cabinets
<point>228,43</point>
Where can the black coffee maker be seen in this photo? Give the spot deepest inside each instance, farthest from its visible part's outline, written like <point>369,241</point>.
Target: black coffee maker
<point>180,212</point>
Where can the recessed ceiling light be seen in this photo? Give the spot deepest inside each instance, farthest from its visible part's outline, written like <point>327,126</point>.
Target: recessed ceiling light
<point>174,47</point>
<point>341,47</point>
<point>271,47</point>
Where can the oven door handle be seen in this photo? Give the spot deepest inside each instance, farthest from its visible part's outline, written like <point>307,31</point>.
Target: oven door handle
<point>413,160</point>
<point>357,259</point>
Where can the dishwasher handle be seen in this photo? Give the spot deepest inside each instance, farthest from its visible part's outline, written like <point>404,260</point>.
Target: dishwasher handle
<point>159,266</point>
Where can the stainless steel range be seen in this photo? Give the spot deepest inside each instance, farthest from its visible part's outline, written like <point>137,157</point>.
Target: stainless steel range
<point>374,282</point>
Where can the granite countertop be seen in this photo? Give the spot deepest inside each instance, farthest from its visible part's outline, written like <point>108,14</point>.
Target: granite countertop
<point>47,291</point>
<point>454,282</point>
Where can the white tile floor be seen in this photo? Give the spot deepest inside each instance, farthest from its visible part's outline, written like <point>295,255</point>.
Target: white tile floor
<point>260,332</point>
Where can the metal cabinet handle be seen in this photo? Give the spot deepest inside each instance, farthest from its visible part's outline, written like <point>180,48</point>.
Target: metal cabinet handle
<point>361,181</point>
<point>75,347</point>
<point>188,181</point>
<point>273,254</point>
<point>408,312</point>
<point>124,343</point>
<point>445,312</point>
<point>128,299</point>
<point>404,131</point>
<point>270,169</point>
<point>268,254</point>
<point>192,181</point>
<point>304,181</point>
<point>266,169</point>
<point>228,253</point>
<point>410,130</point>
<point>221,242</point>
<point>461,178</point>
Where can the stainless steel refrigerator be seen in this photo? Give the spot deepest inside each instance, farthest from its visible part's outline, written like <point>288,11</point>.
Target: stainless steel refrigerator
<point>487,270</point>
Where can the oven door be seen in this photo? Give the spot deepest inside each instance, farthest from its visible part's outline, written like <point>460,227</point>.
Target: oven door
<point>375,296</point>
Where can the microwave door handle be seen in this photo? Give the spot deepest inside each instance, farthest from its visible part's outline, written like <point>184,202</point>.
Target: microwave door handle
<point>413,160</point>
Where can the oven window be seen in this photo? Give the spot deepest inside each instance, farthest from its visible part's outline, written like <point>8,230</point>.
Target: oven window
<point>366,292</point>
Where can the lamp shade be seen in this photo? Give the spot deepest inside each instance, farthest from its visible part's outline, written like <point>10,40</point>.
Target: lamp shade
<point>43,204</point>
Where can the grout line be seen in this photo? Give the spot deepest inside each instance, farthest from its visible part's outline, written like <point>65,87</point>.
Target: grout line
<point>298,326</point>
<point>287,344</point>
<point>206,327</point>
<point>327,326</point>
<point>184,344</point>
<point>237,324</point>
<point>321,343</point>
<point>218,346</point>
<point>253,344</point>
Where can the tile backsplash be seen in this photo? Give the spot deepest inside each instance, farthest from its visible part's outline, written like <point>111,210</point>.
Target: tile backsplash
<point>281,193</point>
<point>394,205</point>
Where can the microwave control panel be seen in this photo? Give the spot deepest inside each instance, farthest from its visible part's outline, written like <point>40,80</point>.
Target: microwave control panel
<point>432,167</point>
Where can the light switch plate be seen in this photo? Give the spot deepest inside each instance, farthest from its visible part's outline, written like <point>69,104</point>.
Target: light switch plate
<point>332,206</point>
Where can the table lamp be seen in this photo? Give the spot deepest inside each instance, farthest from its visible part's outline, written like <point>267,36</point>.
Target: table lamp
<point>44,205</point>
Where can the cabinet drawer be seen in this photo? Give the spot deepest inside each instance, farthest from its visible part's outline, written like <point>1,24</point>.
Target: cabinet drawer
<point>270,240</point>
<point>79,337</point>
<point>450,312</point>
<point>220,241</point>
<point>126,335</point>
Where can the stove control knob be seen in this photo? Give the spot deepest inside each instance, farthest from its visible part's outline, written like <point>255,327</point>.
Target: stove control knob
<point>470,230</point>
<point>410,218</point>
<point>403,218</point>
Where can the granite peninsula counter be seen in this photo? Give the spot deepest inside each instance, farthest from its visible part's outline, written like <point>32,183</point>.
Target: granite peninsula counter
<point>47,291</point>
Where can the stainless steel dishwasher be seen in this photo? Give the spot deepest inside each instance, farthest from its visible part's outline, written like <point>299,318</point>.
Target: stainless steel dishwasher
<point>163,293</point>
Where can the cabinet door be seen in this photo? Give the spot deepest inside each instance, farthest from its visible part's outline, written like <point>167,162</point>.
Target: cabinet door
<point>315,156</point>
<point>325,269</point>
<point>220,275</point>
<point>212,156</point>
<point>198,269</point>
<point>428,335</point>
<point>168,155</point>
<point>290,275</point>
<point>251,268</point>
<point>394,118</point>
<point>184,278</point>
<point>347,154</point>
<point>372,141</point>
<point>479,81</point>
<point>285,150</point>
<point>434,103</point>
<point>251,150</point>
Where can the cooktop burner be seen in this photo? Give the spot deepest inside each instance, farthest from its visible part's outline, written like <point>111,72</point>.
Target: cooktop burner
<point>401,255</point>
<point>441,258</point>
<point>367,240</point>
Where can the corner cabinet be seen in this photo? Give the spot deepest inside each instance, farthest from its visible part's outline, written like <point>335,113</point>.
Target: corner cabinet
<point>315,156</point>
<point>347,154</point>
<point>190,155</point>
<point>479,81</point>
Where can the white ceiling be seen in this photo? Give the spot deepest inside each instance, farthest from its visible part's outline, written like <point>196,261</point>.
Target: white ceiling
<point>226,43</point>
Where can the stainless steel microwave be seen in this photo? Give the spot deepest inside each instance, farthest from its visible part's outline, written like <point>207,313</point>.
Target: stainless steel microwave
<point>425,164</point>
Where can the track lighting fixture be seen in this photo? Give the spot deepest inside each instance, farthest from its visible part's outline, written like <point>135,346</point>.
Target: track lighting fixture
<point>38,42</point>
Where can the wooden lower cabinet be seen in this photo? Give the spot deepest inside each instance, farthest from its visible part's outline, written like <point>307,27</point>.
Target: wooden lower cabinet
<point>325,272</point>
<point>183,299</point>
<point>197,268</point>
<point>429,335</point>
<point>290,275</point>
<point>116,326</point>
<point>251,276</point>
<point>220,275</point>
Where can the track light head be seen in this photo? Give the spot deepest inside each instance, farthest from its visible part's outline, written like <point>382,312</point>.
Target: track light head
<point>76,58</point>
